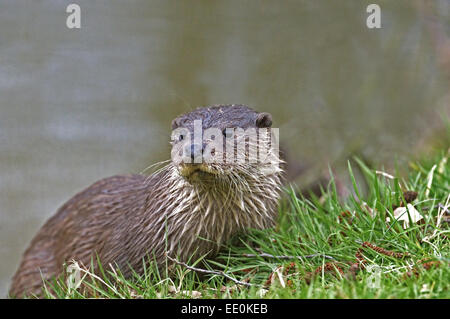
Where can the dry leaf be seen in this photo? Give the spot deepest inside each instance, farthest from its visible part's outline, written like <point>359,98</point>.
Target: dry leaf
<point>172,289</point>
<point>277,277</point>
<point>280,276</point>
<point>401,215</point>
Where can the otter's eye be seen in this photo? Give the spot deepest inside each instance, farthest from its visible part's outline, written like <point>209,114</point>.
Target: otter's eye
<point>228,132</point>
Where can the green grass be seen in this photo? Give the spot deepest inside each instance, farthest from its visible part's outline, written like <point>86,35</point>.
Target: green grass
<point>316,226</point>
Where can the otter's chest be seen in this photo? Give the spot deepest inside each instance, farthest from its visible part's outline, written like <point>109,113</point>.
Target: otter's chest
<point>202,222</point>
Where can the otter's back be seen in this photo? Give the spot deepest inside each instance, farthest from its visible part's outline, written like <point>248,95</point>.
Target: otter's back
<point>83,223</point>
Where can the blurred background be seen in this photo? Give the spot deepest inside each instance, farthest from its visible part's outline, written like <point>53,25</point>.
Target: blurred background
<point>82,104</point>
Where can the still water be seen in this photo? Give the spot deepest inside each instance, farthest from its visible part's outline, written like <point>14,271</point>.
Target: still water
<point>77,105</point>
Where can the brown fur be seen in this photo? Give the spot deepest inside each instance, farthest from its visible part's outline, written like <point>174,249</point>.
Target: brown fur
<point>123,219</point>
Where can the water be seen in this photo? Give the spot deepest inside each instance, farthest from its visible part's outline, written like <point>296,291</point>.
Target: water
<point>79,105</point>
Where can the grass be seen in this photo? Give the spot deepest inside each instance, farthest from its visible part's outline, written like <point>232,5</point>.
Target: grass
<point>325,226</point>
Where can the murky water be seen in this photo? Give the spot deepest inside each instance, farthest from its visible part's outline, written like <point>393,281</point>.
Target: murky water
<point>79,105</point>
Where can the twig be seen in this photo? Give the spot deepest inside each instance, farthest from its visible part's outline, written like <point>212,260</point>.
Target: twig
<point>444,209</point>
<point>384,174</point>
<point>211,272</point>
<point>288,257</point>
<point>430,181</point>
<point>441,206</point>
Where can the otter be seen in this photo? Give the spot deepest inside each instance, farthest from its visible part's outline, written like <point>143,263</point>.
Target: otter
<point>185,210</point>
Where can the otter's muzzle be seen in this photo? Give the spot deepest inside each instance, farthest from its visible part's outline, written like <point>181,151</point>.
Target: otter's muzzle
<point>194,152</point>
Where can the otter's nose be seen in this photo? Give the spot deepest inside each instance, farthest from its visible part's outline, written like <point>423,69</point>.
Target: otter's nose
<point>196,151</point>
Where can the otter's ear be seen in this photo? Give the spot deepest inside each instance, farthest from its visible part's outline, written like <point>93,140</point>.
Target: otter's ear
<point>175,123</point>
<point>264,120</point>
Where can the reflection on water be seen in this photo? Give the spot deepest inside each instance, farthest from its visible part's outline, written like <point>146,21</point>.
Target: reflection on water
<point>78,105</point>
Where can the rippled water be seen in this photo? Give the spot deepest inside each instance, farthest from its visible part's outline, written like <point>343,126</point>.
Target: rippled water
<point>79,105</point>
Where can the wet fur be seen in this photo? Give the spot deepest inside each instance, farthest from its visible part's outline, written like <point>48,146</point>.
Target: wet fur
<point>123,219</point>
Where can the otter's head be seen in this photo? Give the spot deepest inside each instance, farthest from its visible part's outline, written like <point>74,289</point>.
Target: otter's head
<point>224,143</point>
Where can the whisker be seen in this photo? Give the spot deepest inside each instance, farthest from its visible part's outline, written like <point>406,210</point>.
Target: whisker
<point>153,165</point>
